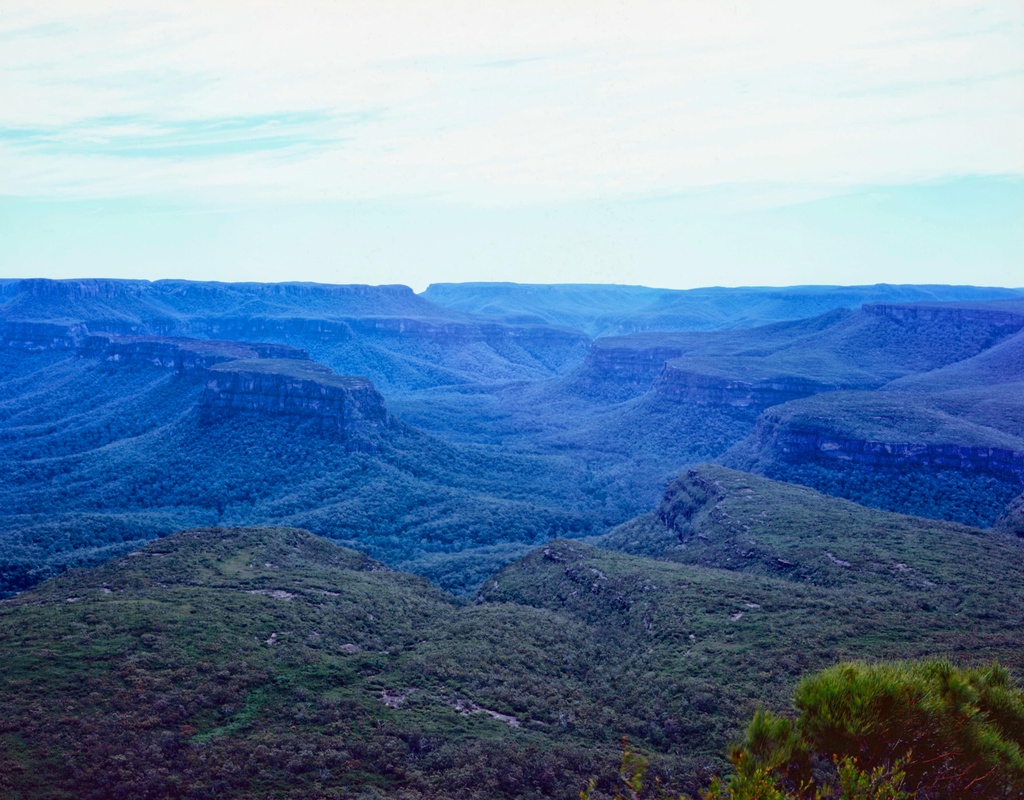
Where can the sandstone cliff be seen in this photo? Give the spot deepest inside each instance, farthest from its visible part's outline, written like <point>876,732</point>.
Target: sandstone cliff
<point>778,437</point>
<point>679,382</point>
<point>37,335</point>
<point>348,405</point>
<point>1008,317</point>
<point>190,357</point>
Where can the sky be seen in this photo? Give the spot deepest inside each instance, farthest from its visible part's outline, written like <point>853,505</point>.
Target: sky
<point>674,144</point>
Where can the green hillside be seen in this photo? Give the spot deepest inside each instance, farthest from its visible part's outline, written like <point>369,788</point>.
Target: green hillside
<point>266,662</point>
<point>717,517</point>
<point>99,458</point>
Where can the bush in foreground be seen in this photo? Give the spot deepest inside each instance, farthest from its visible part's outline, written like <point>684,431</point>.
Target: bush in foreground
<point>887,731</point>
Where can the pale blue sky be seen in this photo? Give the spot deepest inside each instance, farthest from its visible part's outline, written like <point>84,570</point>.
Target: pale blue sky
<point>669,144</point>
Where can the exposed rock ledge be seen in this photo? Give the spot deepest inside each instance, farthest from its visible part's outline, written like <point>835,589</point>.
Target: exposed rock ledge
<point>39,335</point>
<point>999,318</point>
<point>282,387</point>
<point>680,383</point>
<point>795,444</point>
<point>632,364</point>
<point>191,357</point>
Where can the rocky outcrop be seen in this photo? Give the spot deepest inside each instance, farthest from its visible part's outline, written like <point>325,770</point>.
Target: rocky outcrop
<point>348,405</point>
<point>992,317</point>
<point>623,367</point>
<point>796,443</point>
<point>680,382</point>
<point>36,335</point>
<point>630,363</point>
<point>188,357</point>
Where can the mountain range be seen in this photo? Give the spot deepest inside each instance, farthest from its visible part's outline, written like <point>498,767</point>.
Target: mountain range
<point>295,540</point>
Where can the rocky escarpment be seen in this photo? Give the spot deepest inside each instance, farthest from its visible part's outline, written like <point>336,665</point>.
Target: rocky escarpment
<point>802,442</point>
<point>626,366</point>
<point>348,405</point>
<point>84,288</point>
<point>634,364</point>
<point>680,381</point>
<point>188,357</point>
<point>248,328</point>
<point>438,331</point>
<point>39,335</point>
<point>1006,317</point>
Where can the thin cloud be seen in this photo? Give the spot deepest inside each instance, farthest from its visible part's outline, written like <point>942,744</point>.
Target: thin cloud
<point>502,103</point>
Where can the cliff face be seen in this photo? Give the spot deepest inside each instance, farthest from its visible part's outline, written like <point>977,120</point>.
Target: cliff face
<point>802,443</point>
<point>91,288</point>
<point>35,335</point>
<point>998,318</point>
<point>188,357</point>
<point>630,364</point>
<point>200,290</point>
<point>279,387</point>
<point>621,372</point>
<point>682,384</point>
<point>274,327</point>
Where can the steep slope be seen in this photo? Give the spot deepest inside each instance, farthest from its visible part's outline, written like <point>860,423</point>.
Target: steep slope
<point>946,442</point>
<point>723,518</point>
<point>1011,521</point>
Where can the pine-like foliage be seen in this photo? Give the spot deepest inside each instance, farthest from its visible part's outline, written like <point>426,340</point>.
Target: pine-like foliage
<point>954,732</point>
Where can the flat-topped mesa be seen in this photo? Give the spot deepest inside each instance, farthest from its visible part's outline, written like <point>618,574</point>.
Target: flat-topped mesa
<point>679,380</point>
<point>39,335</point>
<point>287,289</point>
<point>87,287</point>
<point>113,287</point>
<point>284,387</point>
<point>188,357</point>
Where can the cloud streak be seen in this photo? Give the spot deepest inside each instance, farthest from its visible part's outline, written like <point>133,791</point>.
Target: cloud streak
<point>502,103</point>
